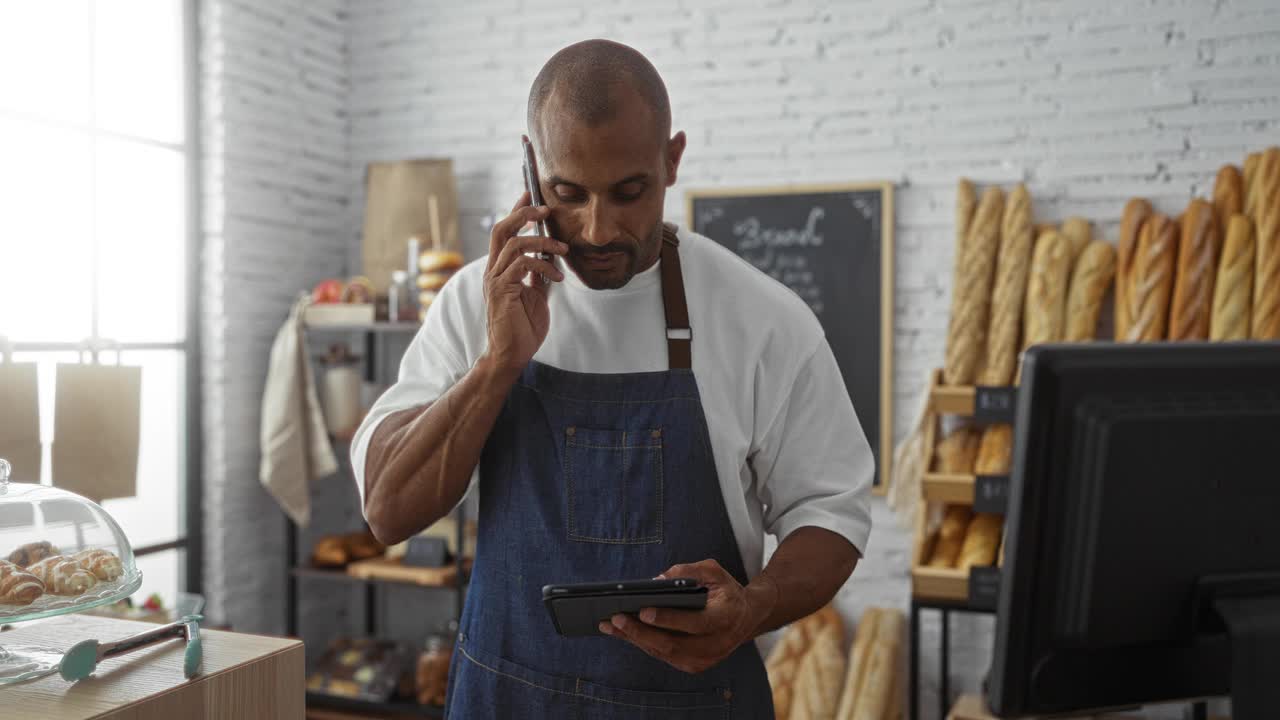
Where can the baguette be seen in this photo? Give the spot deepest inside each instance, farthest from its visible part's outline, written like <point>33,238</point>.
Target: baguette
<point>1264,317</point>
<point>818,681</point>
<point>1092,275</point>
<point>1136,212</point>
<point>784,662</point>
<point>956,452</point>
<point>1233,291</point>
<point>875,697</point>
<point>995,455</point>
<point>1079,233</point>
<point>966,204</point>
<point>858,662</point>
<point>981,541</point>
<point>1197,263</point>
<point>950,537</point>
<point>1152,282</point>
<point>1228,199</point>
<point>1258,186</point>
<point>1012,269</point>
<point>971,297</point>
<point>1046,301</point>
<point>1250,174</point>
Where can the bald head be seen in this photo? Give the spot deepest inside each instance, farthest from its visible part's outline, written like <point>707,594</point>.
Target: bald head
<point>592,80</point>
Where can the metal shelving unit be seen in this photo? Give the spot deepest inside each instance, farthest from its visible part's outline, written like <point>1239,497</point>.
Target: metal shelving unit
<point>373,336</point>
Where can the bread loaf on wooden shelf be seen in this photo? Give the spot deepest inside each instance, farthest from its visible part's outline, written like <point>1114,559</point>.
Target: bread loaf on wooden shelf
<point>971,298</point>
<point>1044,315</point>
<point>1233,291</point>
<point>1250,172</point>
<point>1079,233</point>
<point>995,454</point>
<point>1228,199</point>
<point>1093,274</point>
<point>946,550</point>
<point>1264,317</point>
<point>1192,304</point>
<point>817,693</point>
<point>1152,282</point>
<point>1136,212</point>
<point>783,665</point>
<point>981,541</point>
<point>957,452</point>
<point>1012,269</point>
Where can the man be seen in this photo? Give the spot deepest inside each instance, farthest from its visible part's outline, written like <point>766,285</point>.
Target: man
<point>652,408</point>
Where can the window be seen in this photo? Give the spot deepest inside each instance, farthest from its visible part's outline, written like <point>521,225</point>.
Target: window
<point>95,181</point>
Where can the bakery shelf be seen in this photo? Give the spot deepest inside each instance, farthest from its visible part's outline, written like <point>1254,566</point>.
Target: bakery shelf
<point>389,709</point>
<point>992,404</point>
<point>989,494</point>
<point>339,575</point>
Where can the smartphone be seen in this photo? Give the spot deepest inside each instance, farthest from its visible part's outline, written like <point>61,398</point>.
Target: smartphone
<point>534,187</point>
<point>577,609</point>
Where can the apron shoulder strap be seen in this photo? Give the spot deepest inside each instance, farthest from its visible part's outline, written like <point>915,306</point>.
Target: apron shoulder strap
<point>679,334</point>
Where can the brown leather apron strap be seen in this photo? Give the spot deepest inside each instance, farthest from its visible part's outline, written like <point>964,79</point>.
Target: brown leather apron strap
<point>679,334</point>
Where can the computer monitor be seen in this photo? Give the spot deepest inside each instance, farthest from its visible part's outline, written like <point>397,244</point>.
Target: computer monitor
<point>1143,537</point>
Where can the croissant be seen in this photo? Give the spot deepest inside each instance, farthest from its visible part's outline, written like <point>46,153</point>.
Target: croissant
<point>100,563</point>
<point>32,553</point>
<point>63,576</point>
<point>17,586</point>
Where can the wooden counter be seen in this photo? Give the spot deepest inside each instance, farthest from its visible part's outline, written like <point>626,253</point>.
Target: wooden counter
<point>243,676</point>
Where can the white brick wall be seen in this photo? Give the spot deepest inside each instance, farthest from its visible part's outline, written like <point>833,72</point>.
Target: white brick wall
<point>276,168</point>
<point>1089,102</point>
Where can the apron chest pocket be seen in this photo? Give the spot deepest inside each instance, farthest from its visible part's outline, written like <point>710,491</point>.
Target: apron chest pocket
<point>614,480</point>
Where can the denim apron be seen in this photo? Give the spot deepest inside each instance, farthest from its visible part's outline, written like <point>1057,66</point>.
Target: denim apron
<point>592,477</point>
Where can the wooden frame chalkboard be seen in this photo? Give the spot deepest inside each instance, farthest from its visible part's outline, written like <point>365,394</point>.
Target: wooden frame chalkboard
<point>858,218</point>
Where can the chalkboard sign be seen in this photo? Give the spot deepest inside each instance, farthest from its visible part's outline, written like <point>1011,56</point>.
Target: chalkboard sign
<point>832,245</point>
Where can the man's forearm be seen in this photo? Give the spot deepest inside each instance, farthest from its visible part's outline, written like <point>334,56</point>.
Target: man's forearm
<point>805,572</point>
<point>420,460</point>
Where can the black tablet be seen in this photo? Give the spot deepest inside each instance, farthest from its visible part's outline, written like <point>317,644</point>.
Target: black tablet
<point>578,609</point>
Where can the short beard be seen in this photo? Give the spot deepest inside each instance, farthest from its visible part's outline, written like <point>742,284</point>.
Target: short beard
<point>630,266</point>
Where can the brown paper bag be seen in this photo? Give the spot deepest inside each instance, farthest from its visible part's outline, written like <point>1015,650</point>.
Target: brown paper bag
<point>20,420</point>
<point>402,200</point>
<point>95,430</point>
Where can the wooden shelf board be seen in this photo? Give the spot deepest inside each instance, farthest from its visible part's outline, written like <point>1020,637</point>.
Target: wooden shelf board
<point>939,487</point>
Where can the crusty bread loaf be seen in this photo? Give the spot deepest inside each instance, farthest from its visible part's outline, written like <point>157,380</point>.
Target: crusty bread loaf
<point>966,205</point>
<point>1265,169</point>
<point>1136,212</point>
<point>1233,291</point>
<point>1264,317</point>
<point>1012,269</point>
<point>956,452</point>
<point>1091,277</point>
<point>876,686</point>
<point>1250,172</point>
<point>784,662</point>
<point>859,659</point>
<point>1152,283</point>
<point>1192,303</point>
<point>995,454</point>
<point>817,694</point>
<point>1079,233</point>
<point>946,550</point>
<point>971,297</point>
<point>1228,199</point>
<point>1044,315</point>
<point>981,541</point>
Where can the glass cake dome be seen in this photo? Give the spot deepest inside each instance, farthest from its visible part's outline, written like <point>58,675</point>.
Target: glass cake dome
<point>59,553</point>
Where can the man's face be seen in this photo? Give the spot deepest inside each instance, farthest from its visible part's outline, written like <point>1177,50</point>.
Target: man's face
<point>605,186</point>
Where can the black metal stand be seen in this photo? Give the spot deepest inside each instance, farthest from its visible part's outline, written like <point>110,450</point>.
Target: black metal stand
<point>944,660</point>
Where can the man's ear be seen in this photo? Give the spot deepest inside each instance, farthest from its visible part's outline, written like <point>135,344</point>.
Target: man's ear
<point>675,150</point>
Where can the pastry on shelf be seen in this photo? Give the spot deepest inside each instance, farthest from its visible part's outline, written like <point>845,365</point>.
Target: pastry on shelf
<point>362,545</point>
<point>101,563</point>
<point>17,586</point>
<point>32,552</point>
<point>329,552</point>
<point>63,576</point>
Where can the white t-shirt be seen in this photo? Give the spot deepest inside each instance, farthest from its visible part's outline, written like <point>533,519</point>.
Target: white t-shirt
<point>788,447</point>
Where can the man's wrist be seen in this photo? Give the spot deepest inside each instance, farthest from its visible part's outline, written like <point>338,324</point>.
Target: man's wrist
<point>762,598</point>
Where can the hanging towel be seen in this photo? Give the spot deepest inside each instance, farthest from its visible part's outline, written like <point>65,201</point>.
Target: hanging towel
<point>295,445</point>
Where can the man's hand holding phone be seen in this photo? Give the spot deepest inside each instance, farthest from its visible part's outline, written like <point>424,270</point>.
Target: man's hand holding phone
<point>517,313</point>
